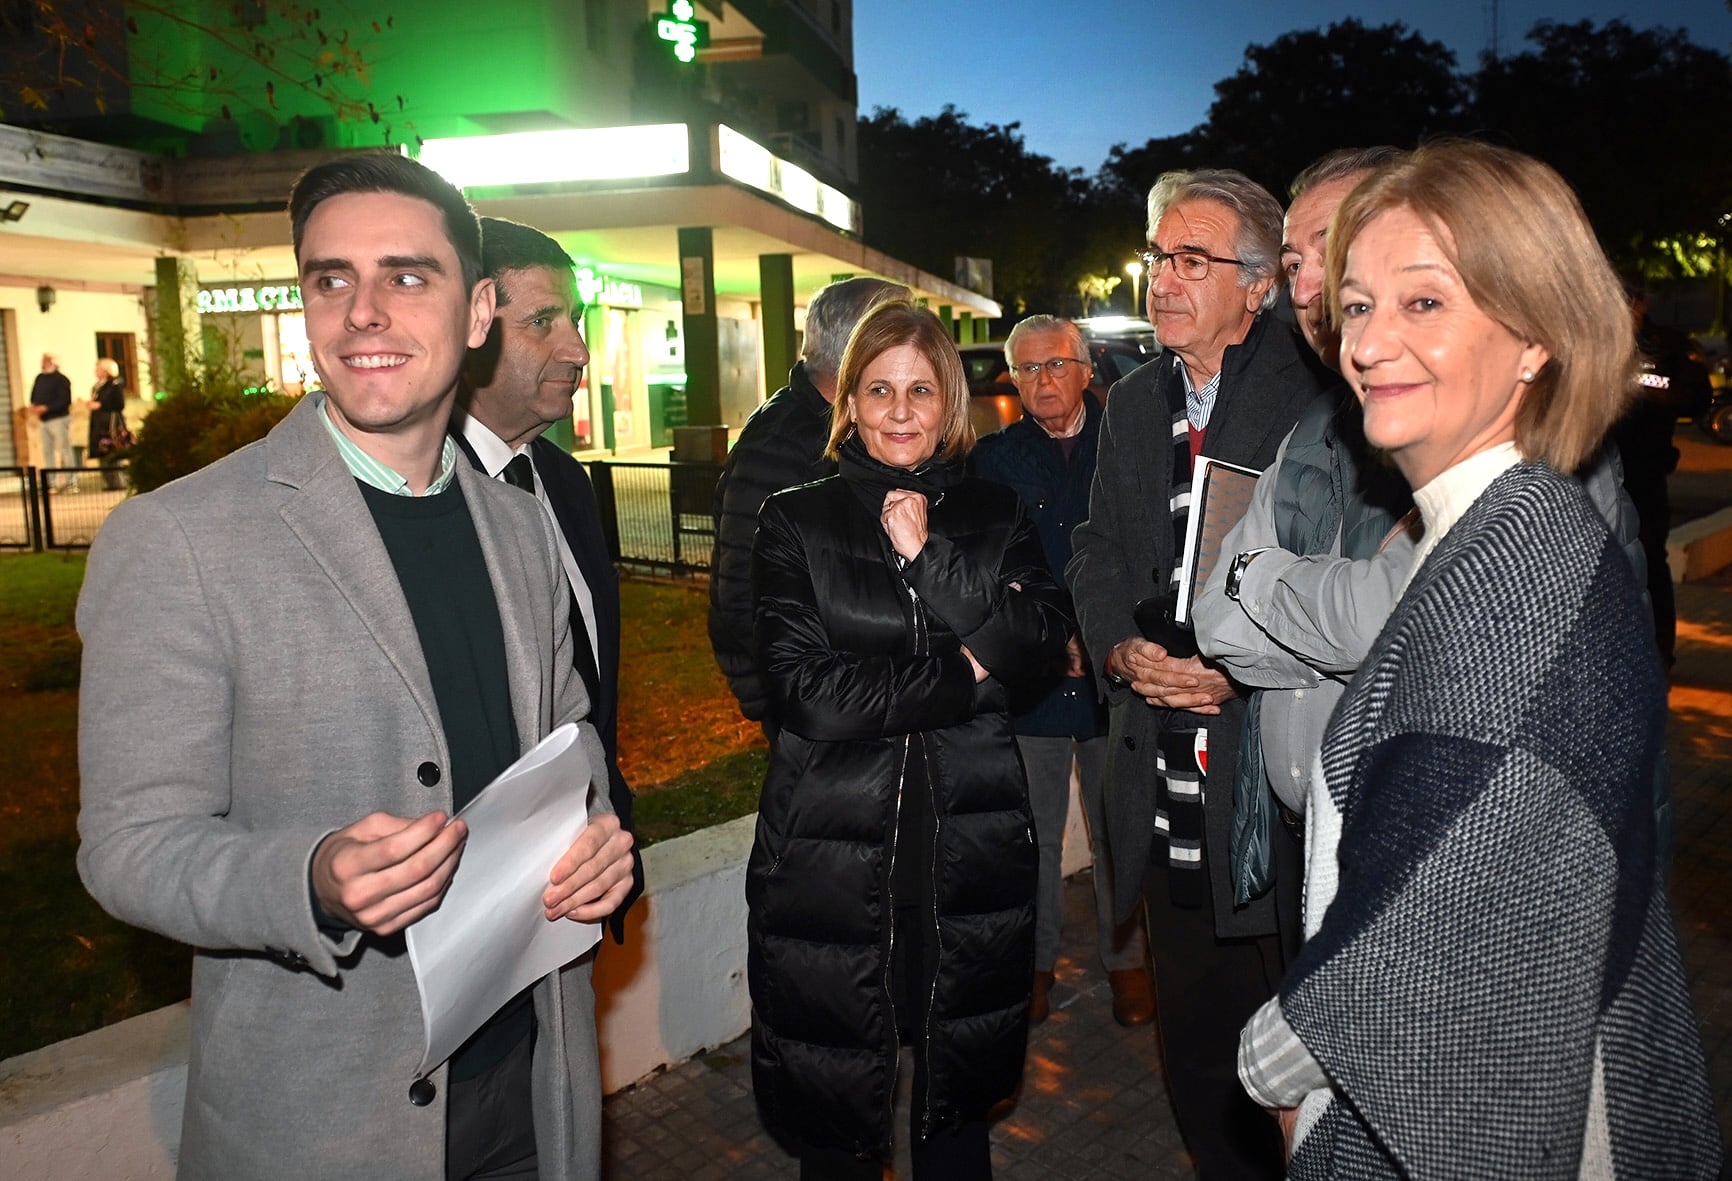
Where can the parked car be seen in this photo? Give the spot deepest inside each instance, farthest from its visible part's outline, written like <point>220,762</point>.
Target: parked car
<point>1117,346</point>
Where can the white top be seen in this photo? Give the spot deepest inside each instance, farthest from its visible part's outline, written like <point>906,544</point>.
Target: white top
<point>491,450</point>
<point>1452,492</point>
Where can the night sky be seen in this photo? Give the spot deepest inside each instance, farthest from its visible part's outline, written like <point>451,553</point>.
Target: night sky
<point>1082,75</point>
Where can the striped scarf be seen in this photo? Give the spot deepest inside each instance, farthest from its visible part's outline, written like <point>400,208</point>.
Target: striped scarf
<point>1182,758</point>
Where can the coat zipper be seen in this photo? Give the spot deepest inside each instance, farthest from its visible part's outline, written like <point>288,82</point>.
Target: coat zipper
<point>890,943</point>
<point>924,1049</point>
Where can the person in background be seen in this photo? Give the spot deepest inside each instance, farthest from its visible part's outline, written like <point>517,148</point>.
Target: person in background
<point>1672,383</point>
<point>108,434</point>
<point>516,385</point>
<point>781,446</point>
<point>1310,573</point>
<point>1230,384</point>
<point>890,888</point>
<point>1049,458</point>
<point>1491,983</point>
<point>51,406</point>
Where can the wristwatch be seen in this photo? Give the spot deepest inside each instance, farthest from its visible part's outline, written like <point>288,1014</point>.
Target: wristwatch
<point>1236,572</point>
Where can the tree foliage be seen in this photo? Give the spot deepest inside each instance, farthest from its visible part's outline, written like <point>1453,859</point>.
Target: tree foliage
<point>1310,92</point>
<point>939,187</point>
<point>1635,120</point>
<point>210,416</point>
<point>263,60</point>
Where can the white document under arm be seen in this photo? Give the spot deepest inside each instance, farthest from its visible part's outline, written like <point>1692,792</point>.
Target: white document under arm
<point>490,938</point>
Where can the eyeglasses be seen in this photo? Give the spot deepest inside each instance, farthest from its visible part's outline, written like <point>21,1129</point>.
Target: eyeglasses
<point>1190,265</point>
<point>1055,368</point>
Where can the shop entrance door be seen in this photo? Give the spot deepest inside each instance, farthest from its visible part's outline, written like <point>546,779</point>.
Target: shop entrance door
<point>122,349</point>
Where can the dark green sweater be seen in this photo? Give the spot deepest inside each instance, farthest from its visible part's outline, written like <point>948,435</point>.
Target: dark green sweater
<point>437,555</point>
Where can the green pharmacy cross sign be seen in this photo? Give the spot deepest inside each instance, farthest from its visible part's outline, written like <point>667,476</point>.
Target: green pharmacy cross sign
<point>686,35</point>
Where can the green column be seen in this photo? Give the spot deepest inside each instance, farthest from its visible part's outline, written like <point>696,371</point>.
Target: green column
<point>945,318</point>
<point>965,327</point>
<point>776,291</point>
<point>703,347</point>
<point>179,336</point>
<point>982,330</point>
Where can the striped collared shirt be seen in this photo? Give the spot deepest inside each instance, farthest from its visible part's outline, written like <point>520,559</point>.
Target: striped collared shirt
<point>1199,403</point>
<point>375,474</point>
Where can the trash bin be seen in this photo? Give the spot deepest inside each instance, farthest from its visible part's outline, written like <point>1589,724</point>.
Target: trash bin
<point>700,444</point>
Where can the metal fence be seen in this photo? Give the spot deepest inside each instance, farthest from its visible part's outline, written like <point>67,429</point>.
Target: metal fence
<point>20,511</point>
<point>56,508</point>
<point>657,515</point>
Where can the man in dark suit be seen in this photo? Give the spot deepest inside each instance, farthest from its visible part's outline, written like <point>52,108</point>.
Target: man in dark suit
<point>516,385</point>
<point>1230,384</point>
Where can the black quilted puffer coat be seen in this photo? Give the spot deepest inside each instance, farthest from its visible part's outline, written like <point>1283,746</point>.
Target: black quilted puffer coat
<point>863,659</point>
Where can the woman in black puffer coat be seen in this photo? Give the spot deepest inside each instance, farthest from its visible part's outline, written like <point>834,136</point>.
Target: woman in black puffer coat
<point>891,883</point>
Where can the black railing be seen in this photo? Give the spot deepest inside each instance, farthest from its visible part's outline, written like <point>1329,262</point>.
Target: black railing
<point>69,505</point>
<point>20,510</point>
<point>657,515</point>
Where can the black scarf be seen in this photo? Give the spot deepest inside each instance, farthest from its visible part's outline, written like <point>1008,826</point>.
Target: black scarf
<point>871,478</point>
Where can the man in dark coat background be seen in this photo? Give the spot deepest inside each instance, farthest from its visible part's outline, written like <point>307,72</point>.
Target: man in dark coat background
<point>51,406</point>
<point>1048,456</point>
<point>1231,384</point>
<point>781,446</point>
<point>514,387</point>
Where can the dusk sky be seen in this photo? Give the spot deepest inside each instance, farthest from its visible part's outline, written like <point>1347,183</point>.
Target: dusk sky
<point>1082,75</point>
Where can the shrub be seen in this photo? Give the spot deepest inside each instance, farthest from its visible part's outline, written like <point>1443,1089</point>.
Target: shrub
<point>204,420</point>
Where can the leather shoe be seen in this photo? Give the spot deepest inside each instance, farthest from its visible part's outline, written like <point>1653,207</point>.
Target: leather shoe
<point>1133,996</point>
<point>1038,1005</point>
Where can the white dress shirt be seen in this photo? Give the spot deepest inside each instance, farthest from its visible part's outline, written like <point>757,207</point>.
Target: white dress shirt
<point>494,455</point>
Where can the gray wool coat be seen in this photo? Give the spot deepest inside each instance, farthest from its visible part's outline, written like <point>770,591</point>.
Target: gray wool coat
<point>253,681</point>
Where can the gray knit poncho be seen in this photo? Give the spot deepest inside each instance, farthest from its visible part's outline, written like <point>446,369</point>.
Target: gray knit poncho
<point>1496,989</point>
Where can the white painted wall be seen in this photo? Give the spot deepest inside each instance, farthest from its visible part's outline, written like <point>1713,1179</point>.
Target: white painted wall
<point>68,330</point>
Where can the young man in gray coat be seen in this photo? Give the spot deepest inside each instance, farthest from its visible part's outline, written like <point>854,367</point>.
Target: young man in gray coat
<point>298,662</point>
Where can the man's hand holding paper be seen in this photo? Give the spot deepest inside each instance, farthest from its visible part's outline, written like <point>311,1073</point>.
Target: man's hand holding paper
<point>591,880</point>
<point>532,855</point>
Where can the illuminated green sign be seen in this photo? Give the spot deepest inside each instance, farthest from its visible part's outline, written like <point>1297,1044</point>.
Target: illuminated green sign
<point>686,35</point>
<point>282,298</point>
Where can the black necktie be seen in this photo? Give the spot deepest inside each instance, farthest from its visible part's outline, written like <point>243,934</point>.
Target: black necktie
<point>519,474</point>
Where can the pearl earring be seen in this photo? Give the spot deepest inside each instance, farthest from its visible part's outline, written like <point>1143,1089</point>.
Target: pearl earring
<point>1528,375</point>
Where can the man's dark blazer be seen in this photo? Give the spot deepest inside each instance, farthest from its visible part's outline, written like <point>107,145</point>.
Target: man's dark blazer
<point>574,507</point>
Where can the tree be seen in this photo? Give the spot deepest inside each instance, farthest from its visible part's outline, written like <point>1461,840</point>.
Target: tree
<point>939,187</point>
<point>67,64</point>
<point>1635,120</point>
<point>1309,92</point>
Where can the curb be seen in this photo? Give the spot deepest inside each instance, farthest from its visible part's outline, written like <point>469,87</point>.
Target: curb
<point>1701,548</point>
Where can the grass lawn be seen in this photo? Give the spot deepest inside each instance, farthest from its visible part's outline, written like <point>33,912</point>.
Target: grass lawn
<point>69,968</point>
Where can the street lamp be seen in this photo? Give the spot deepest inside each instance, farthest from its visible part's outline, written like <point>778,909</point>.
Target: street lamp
<point>1135,271</point>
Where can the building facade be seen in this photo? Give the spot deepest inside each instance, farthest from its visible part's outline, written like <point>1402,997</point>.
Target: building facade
<point>697,161</point>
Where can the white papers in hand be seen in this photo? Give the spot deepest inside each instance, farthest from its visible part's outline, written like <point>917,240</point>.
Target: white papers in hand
<point>490,938</point>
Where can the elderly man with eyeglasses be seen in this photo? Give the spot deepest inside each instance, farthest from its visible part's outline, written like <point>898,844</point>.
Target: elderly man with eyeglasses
<point>1230,384</point>
<point>1049,458</point>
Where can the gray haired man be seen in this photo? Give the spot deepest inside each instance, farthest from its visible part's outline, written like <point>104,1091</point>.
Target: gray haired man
<point>781,446</point>
<point>1231,385</point>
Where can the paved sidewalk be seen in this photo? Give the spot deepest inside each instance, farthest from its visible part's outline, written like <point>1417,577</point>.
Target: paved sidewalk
<point>1093,1104</point>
